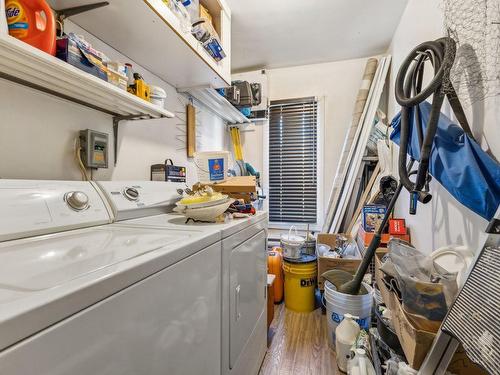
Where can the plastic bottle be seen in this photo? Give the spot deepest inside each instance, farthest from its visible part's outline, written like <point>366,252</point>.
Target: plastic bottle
<point>193,8</point>
<point>33,22</point>
<point>345,335</point>
<point>4,28</point>
<point>405,369</point>
<point>130,74</point>
<point>360,364</point>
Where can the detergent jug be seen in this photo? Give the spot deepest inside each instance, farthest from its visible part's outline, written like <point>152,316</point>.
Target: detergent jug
<point>33,22</point>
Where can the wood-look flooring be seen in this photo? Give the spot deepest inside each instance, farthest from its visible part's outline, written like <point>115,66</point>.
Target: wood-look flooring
<point>299,345</point>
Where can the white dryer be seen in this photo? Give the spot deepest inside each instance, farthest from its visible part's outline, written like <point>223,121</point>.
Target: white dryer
<point>243,261</point>
<point>79,296</point>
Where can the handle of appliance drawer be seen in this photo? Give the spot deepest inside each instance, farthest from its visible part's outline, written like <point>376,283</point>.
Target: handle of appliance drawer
<point>237,304</point>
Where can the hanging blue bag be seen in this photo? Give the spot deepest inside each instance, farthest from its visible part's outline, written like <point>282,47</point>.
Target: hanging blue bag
<point>458,163</point>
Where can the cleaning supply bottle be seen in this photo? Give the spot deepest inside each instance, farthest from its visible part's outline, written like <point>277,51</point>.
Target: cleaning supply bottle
<point>4,29</point>
<point>345,335</point>
<point>360,364</point>
<point>33,22</point>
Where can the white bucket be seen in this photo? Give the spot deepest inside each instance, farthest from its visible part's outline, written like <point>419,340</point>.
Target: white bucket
<point>212,166</point>
<point>292,244</point>
<point>158,96</point>
<point>338,304</point>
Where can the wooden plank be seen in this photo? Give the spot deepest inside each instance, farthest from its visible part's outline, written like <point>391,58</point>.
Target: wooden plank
<point>347,185</point>
<point>239,184</point>
<point>364,198</point>
<point>372,71</point>
<point>190,130</point>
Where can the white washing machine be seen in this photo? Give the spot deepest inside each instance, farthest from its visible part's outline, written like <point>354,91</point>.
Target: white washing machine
<point>244,267</point>
<point>102,299</point>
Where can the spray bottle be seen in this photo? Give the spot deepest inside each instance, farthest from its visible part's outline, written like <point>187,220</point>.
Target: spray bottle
<point>4,29</point>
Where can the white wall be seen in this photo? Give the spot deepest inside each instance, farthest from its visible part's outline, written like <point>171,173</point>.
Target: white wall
<point>37,132</point>
<point>444,220</point>
<point>336,84</point>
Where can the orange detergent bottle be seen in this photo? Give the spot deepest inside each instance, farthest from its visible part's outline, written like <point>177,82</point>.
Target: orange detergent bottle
<point>33,22</point>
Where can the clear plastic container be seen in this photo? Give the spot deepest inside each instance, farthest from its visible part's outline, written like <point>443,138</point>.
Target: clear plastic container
<point>193,9</point>
<point>182,14</point>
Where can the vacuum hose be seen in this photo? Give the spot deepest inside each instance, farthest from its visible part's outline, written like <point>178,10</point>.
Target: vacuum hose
<point>409,94</point>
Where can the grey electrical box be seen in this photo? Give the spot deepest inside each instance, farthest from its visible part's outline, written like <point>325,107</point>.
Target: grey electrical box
<point>94,148</point>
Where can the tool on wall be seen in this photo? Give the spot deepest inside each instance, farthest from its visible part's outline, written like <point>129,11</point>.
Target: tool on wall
<point>168,172</point>
<point>410,94</point>
<point>190,130</point>
<point>238,152</point>
<point>344,281</point>
<point>243,94</point>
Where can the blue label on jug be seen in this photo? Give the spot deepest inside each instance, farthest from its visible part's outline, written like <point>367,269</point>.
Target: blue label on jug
<point>363,323</point>
<point>216,169</point>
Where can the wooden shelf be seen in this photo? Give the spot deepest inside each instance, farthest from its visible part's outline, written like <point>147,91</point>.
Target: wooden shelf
<point>150,34</point>
<point>216,103</point>
<point>28,66</point>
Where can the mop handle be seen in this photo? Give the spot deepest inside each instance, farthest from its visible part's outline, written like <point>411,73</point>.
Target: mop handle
<point>375,242</point>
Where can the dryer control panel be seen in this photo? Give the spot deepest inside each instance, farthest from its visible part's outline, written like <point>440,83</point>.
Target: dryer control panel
<point>134,199</point>
<point>29,208</point>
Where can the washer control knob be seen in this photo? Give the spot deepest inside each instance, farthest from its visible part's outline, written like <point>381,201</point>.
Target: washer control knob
<point>77,200</point>
<point>132,194</point>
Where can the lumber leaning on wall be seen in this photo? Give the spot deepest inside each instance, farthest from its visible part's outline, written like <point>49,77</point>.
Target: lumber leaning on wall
<point>359,106</point>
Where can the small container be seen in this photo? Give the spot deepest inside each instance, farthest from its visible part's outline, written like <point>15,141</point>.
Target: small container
<point>211,166</point>
<point>193,8</point>
<point>292,244</point>
<point>158,96</point>
<point>117,75</point>
<point>130,74</point>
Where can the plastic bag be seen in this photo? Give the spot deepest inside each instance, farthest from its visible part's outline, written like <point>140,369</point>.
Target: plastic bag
<point>426,289</point>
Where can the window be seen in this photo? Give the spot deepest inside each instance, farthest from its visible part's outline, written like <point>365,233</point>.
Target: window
<point>293,159</point>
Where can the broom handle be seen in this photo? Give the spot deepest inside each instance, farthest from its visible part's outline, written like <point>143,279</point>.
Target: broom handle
<point>375,242</point>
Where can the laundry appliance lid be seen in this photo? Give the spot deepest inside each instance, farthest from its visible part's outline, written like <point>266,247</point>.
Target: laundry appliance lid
<point>48,278</point>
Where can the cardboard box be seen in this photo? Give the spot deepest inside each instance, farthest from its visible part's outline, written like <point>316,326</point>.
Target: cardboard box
<point>417,343</point>
<point>368,236</point>
<point>397,226</point>
<point>372,216</point>
<point>69,51</point>
<point>327,264</point>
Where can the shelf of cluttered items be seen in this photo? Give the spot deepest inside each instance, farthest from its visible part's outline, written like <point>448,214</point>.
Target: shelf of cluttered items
<point>217,102</point>
<point>31,67</point>
<point>186,46</point>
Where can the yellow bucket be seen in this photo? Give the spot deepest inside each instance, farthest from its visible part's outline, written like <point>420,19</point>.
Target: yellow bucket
<point>300,283</point>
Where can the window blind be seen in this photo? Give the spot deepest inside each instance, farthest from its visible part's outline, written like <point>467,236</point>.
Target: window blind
<point>293,131</point>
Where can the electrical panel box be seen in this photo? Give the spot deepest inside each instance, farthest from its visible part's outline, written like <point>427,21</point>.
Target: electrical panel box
<point>94,148</point>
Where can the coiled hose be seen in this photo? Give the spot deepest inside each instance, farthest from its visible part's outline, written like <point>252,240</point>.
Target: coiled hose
<point>409,94</point>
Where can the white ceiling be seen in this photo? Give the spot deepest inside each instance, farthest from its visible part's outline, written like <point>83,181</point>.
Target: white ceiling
<point>279,33</point>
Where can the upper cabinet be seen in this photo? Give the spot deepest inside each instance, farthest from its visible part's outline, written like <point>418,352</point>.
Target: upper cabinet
<point>150,34</point>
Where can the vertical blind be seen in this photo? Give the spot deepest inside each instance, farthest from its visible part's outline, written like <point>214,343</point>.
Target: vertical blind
<point>293,131</point>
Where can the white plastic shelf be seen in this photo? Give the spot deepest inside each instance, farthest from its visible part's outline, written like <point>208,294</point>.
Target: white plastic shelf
<point>28,66</point>
<point>216,103</point>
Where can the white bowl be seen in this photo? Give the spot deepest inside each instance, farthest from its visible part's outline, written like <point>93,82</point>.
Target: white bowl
<point>208,214</point>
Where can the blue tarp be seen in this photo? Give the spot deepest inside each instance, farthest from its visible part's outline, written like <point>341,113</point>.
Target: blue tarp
<point>458,163</point>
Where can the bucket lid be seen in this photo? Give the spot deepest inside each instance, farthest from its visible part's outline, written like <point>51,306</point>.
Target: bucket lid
<point>304,258</point>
